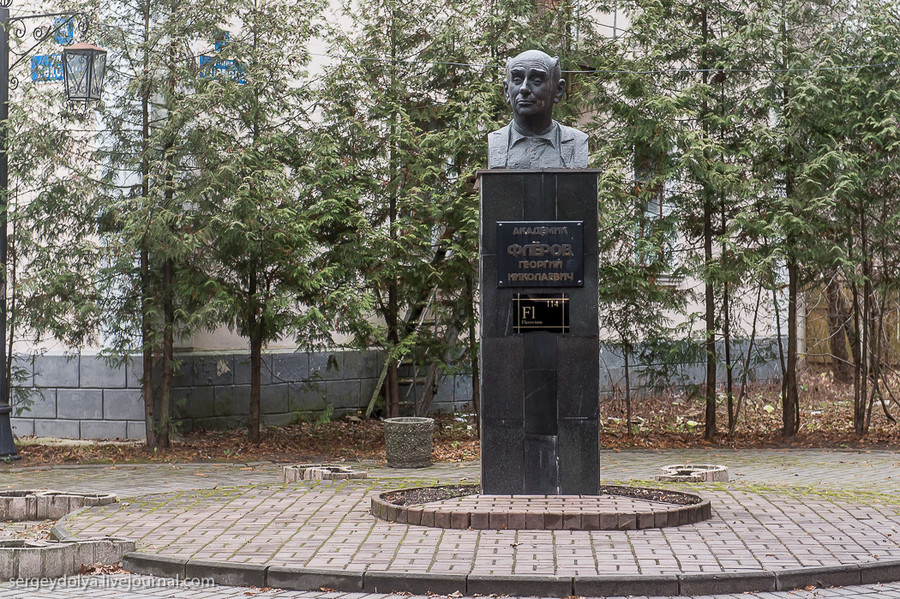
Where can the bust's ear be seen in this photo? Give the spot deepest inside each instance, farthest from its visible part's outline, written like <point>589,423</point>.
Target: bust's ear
<point>506,91</point>
<point>560,90</point>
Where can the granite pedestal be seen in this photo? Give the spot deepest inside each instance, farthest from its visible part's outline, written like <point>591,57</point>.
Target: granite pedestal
<point>539,339</point>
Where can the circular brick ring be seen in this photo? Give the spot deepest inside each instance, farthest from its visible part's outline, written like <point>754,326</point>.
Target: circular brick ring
<point>615,508</point>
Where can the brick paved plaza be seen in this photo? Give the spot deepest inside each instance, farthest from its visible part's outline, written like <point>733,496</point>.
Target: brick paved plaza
<point>783,511</point>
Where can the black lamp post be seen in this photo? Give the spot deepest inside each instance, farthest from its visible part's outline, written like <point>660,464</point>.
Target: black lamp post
<point>83,68</point>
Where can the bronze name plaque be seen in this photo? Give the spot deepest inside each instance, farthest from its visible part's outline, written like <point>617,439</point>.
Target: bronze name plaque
<point>540,254</point>
<point>541,312</point>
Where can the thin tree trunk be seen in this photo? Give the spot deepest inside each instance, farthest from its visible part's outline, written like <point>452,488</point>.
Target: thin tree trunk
<point>729,367</point>
<point>253,420</point>
<point>256,341</point>
<point>151,425</point>
<point>837,332</point>
<point>166,404</point>
<point>746,364</point>
<point>859,411</point>
<point>790,406</point>
<point>392,390</point>
<point>13,312</point>
<point>628,415</point>
<point>166,407</point>
<point>780,336</point>
<point>709,432</point>
<point>473,349</point>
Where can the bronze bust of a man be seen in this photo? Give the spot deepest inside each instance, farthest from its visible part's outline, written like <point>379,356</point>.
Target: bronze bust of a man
<point>533,140</point>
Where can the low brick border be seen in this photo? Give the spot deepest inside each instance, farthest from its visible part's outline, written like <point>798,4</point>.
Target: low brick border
<point>23,505</point>
<point>687,508</point>
<point>378,581</point>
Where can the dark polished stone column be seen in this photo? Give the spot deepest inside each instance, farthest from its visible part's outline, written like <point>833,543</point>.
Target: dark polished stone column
<point>539,388</point>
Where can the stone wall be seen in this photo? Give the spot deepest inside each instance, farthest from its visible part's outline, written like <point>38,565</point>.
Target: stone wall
<point>82,397</point>
<point>77,397</point>
<point>690,370</point>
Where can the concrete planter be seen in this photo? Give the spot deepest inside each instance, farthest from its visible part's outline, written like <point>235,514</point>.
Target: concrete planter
<point>408,441</point>
<point>293,474</point>
<point>47,505</point>
<point>52,559</point>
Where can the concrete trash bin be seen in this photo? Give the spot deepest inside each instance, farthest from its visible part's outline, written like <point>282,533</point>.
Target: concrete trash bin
<point>408,441</point>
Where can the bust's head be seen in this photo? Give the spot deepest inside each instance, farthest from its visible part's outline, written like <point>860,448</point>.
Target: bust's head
<point>533,85</point>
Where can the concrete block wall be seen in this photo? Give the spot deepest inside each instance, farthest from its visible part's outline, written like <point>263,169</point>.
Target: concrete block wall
<point>77,397</point>
<point>763,367</point>
<point>83,397</point>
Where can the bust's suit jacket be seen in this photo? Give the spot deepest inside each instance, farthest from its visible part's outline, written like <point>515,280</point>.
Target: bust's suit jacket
<point>573,147</point>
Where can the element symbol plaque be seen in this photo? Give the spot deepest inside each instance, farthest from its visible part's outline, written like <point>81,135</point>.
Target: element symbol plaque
<point>541,312</point>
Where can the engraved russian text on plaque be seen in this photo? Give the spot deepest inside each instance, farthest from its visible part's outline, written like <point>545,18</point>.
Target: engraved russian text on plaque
<point>540,254</point>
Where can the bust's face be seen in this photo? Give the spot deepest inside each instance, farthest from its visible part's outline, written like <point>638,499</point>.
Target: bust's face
<point>529,87</point>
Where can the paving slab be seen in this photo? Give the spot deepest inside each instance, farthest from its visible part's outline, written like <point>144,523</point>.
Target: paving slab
<point>803,537</point>
<point>797,517</point>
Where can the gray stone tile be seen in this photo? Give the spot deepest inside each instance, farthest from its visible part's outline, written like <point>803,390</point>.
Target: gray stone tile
<point>56,371</point>
<point>233,400</point>
<point>306,397</point>
<point>462,388</point>
<point>194,403</point>
<point>22,427</point>
<point>274,399</point>
<point>23,370</point>
<point>62,429</point>
<point>136,430</point>
<point>134,371</point>
<point>182,370</point>
<point>279,419</point>
<point>123,404</point>
<point>213,370</point>
<point>79,403</point>
<point>96,372</point>
<point>242,369</point>
<point>361,364</point>
<point>366,389</point>
<point>344,394</point>
<point>290,367</point>
<point>103,429</point>
<point>38,403</point>
<point>326,366</point>
<point>446,390</point>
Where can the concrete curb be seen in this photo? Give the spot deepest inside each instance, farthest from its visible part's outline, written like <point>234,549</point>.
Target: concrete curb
<point>530,513</point>
<point>59,532</point>
<point>307,579</point>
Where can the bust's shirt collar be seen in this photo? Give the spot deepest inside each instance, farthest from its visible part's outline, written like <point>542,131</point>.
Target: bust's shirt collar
<point>551,135</point>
